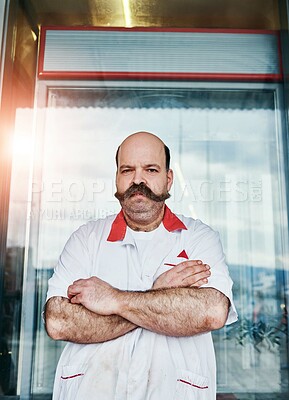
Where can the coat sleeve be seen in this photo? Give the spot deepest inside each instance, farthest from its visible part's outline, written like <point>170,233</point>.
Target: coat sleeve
<point>74,263</point>
<point>205,245</point>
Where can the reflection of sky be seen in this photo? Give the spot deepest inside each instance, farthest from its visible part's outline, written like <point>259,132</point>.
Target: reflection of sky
<point>225,168</point>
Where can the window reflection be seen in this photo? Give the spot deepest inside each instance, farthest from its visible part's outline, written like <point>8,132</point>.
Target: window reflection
<point>228,172</point>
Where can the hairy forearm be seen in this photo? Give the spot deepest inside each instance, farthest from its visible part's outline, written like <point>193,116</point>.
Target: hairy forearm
<point>175,311</point>
<point>75,323</point>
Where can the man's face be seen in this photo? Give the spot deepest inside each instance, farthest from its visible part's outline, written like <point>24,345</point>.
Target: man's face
<point>141,161</point>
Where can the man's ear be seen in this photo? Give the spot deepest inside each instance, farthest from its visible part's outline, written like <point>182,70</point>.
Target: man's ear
<point>170,178</point>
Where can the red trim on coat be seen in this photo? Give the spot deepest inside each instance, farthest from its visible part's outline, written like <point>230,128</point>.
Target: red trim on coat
<point>191,384</point>
<point>172,222</point>
<point>183,254</point>
<point>71,376</point>
<point>118,228</point>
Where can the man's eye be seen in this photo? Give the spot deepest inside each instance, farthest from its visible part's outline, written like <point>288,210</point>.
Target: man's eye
<point>152,170</point>
<point>126,171</point>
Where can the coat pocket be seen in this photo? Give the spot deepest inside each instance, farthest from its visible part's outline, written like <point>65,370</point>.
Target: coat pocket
<point>71,378</point>
<point>191,386</point>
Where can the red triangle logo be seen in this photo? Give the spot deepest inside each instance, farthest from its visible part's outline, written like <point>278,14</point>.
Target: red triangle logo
<point>183,254</point>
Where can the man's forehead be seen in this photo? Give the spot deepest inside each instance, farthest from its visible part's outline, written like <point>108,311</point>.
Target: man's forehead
<point>143,155</point>
<point>141,147</point>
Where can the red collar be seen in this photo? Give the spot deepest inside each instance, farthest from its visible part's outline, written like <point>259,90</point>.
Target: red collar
<point>118,228</point>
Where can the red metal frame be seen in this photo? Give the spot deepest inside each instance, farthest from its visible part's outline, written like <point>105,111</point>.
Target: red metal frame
<point>102,75</point>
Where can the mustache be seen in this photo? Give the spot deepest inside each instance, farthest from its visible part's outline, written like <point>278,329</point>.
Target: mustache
<point>141,188</point>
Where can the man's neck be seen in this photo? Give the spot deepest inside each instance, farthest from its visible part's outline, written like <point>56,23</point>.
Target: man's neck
<point>147,224</point>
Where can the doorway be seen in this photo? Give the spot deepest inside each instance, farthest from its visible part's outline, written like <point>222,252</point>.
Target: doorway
<point>227,150</point>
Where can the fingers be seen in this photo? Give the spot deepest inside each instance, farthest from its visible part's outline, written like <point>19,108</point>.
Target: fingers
<point>188,273</point>
<point>196,264</point>
<point>197,280</point>
<point>75,300</point>
<point>71,291</point>
<point>79,285</point>
<point>194,277</point>
<point>190,268</point>
<point>74,289</point>
<point>94,294</point>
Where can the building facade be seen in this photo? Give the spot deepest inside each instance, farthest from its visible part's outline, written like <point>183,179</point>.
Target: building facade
<point>211,79</point>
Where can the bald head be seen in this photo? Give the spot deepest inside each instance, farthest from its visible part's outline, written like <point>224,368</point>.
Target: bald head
<point>144,139</point>
<point>143,180</point>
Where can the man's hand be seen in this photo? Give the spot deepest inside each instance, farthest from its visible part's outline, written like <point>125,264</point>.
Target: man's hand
<point>172,311</point>
<point>101,298</point>
<point>188,273</point>
<point>95,295</point>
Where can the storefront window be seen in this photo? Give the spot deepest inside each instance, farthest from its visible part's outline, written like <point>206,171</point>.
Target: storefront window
<point>227,156</point>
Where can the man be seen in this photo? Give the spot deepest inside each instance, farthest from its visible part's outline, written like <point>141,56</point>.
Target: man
<point>137,294</point>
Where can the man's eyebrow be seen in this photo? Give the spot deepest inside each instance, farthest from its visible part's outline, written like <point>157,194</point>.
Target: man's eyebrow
<point>152,165</point>
<point>125,166</point>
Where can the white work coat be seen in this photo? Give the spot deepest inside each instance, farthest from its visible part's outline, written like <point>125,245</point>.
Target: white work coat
<point>141,365</point>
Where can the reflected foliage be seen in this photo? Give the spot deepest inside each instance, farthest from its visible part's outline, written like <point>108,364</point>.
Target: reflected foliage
<point>258,333</point>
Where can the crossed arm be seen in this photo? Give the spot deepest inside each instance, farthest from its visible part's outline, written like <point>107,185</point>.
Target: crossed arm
<point>96,312</point>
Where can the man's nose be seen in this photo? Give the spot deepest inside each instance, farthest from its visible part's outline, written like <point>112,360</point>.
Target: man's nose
<point>139,177</point>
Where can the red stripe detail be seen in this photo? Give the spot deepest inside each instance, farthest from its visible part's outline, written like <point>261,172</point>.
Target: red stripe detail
<point>170,265</point>
<point>103,75</point>
<point>183,254</point>
<point>118,228</point>
<point>41,50</point>
<point>71,376</point>
<point>158,29</point>
<point>153,75</point>
<point>191,384</point>
<point>172,222</point>
<point>281,71</point>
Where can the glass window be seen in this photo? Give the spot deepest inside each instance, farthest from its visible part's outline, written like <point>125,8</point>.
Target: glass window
<point>227,156</point>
